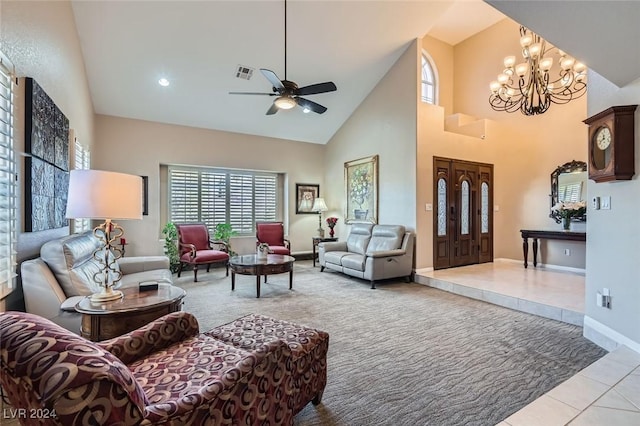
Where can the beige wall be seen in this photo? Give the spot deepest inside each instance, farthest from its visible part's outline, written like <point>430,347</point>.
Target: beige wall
<point>385,125</point>
<point>41,41</point>
<point>140,147</point>
<point>614,235</point>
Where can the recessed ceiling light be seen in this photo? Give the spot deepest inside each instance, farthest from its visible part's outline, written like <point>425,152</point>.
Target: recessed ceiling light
<point>163,82</point>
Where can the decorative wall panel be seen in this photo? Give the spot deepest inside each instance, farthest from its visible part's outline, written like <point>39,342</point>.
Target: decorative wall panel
<point>47,163</point>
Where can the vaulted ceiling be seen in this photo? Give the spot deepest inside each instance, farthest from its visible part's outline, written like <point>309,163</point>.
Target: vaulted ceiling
<point>198,45</point>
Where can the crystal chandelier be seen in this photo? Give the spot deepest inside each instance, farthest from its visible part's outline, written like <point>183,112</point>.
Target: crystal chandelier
<point>528,87</point>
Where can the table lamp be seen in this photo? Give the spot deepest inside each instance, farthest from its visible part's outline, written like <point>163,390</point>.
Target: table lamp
<point>320,206</point>
<point>98,194</point>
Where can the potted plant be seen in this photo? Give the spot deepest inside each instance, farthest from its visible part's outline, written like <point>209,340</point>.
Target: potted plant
<point>224,232</point>
<point>170,246</point>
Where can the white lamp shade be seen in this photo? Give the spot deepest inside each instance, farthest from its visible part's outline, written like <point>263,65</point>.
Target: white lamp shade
<point>319,205</point>
<point>98,194</point>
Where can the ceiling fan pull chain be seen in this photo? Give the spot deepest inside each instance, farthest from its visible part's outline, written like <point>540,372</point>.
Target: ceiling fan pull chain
<point>285,39</point>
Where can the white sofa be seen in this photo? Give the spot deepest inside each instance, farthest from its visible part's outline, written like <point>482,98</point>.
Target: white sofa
<point>371,252</point>
<point>63,274</point>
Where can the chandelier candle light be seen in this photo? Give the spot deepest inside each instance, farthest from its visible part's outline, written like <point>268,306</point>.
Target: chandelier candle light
<point>97,194</point>
<point>319,206</point>
<point>535,91</point>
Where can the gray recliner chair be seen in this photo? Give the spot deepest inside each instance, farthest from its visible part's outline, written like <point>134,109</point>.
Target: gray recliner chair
<point>371,252</point>
<point>63,274</point>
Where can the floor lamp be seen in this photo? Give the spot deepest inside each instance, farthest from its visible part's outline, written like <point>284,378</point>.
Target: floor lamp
<point>98,194</point>
<point>320,206</point>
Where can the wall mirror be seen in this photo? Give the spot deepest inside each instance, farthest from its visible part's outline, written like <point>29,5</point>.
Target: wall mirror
<point>568,184</point>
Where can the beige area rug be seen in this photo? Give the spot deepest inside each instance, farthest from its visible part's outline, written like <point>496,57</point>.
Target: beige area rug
<point>405,354</point>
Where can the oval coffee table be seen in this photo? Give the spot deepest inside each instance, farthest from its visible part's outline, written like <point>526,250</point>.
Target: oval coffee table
<point>104,320</point>
<point>249,264</point>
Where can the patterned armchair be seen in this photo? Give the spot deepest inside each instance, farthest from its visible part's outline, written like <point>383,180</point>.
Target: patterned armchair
<point>196,248</point>
<point>163,373</point>
<point>272,233</point>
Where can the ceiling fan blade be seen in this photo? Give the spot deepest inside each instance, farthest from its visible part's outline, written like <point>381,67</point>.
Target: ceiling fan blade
<point>273,79</point>
<point>272,110</point>
<point>253,93</point>
<point>306,103</point>
<point>316,88</point>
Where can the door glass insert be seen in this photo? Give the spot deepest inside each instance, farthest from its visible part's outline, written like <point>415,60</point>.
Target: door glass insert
<point>442,207</point>
<point>484,207</point>
<point>464,208</point>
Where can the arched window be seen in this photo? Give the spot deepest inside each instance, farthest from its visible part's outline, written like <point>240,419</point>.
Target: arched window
<point>429,91</point>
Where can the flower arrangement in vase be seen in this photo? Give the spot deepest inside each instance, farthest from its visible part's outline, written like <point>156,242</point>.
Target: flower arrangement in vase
<point>566,211</point>
<point>263,250</point>
<point>331,222</point>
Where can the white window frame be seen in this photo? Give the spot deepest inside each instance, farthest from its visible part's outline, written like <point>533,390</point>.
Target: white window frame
<point>429,80</point>
<point>82,161</point>
<point>210,195</point>
<point>8,177</point>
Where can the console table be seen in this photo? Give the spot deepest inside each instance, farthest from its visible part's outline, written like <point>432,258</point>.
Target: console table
<point>548,235</point>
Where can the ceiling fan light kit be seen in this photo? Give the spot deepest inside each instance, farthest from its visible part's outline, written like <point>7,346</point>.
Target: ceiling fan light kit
<point>288,93</point>
<point>285,102</point>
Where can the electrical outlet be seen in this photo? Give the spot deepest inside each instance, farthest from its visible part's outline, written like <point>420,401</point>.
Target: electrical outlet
<point>603,299</point>
<point>567,252</point>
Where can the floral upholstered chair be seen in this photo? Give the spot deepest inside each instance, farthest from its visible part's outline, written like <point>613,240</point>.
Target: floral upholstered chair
<point>165,373</point>
<point>272,233</point>
<point>196,248</point>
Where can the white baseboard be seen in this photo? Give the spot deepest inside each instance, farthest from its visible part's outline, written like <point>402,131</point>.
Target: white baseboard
<point>507,260</point>
<point>423,270</point>
<point>606,337</point>
<point>580,271</point>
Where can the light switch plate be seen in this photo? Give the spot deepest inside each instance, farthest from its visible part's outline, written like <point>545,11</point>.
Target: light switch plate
<point>595,203</point>
<point>605,203</point>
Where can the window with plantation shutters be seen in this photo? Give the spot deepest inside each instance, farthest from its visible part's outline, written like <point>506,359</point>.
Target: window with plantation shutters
<point>215,196</point>
<point>82,162</point>
<point>7,178</point>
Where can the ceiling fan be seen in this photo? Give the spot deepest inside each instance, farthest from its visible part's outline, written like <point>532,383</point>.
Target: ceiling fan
<point>287,93</point>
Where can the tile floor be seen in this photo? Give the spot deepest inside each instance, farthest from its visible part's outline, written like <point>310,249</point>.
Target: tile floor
<point>605,393</point>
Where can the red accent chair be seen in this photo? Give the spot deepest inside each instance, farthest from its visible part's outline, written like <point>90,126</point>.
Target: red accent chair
<point>196,248</point>
<point>272,233</point>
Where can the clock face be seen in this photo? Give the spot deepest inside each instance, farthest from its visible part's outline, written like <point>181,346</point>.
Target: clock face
<point>601,147</point>
<point>603,138</point>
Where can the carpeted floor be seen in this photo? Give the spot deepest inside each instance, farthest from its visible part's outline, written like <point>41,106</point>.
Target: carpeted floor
<point>405,354</point>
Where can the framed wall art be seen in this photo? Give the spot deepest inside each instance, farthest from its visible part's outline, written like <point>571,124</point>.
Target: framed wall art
<point>47,164</point>
<point>306,194</point>
<point>361,190</point>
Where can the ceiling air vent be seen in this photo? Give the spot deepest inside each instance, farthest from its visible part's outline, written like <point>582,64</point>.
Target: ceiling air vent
<point>244,73</point>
